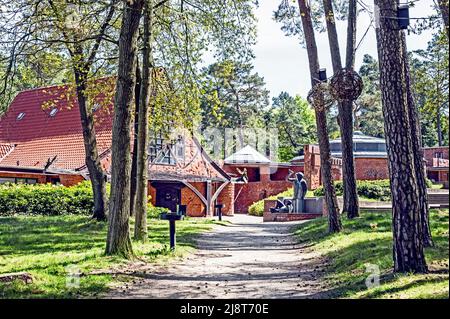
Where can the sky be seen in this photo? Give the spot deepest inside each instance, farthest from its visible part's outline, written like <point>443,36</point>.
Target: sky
<point>283,62</point>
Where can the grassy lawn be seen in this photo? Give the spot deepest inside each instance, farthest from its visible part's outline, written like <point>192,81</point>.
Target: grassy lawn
<point>368,240</point>
<point>45,246</point>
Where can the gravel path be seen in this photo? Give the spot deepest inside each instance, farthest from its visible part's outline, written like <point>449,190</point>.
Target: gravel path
<point>247,259</point>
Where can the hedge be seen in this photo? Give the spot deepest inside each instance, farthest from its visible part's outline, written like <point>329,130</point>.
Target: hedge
<point>377,190</point>
<point>53,200</point>
<point>46,199</point>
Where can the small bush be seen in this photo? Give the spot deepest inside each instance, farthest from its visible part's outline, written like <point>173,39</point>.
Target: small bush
<point>46,199</point>
<point>377,190</point>
<point>153,211</point>
<point>257,208</point>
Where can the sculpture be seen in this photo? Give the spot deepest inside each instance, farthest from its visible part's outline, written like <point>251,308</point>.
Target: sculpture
<point>284,206</point>
<point>244,176</point>
<point>300,190</point>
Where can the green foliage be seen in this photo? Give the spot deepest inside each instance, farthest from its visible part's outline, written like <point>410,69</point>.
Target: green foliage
<point>257,208</point>
<point>45,245</point>
<point>153,211</point>
<point>368,241</point>
<point>234,95</point>
<point>377,189</point>
<point>295,120</point>
<point>368,110</point>
<point>429,72</point>
<point>48,199</point>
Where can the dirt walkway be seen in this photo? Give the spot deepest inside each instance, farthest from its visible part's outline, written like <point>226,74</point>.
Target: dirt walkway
<point>248,259</point>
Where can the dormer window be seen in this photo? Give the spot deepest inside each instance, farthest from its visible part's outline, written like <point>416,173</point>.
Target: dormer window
<point>53,112</point>
<point>20,116</point>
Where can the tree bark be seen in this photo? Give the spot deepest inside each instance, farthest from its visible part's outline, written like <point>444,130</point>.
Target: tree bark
<point>439,127</point>
<point>419,164</point>
<point>118,240</point>
<point>334,222</point>
<point>140,229</point>
<point>444,8</point>
<point>133,185</point>
<point>351,35</point>
<point>96,173</point>
<point>345,108</point>
<point>408,251</point>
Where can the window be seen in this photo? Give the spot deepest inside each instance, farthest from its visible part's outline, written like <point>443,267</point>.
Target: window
<point>371,147</point>
<point>5,180</point>
<point>335,147</point>
<point>18,180</point>
<point>439,155</point>
<point>155,146</point>
<point>179,148</point>
<point>96,107</point>
<point>53,112</point>
<point>20,116</point>
<point>166,157</point>
<point>164,151</point>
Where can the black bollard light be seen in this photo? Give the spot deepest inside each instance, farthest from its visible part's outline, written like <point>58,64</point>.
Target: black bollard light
<point>219,211</point>
<point>171,217</point>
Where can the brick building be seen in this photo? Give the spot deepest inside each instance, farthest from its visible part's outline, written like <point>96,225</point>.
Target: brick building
<point>265,178</point>
<point>371,160</point>
<point>45,145</point>
<point>437,162</point>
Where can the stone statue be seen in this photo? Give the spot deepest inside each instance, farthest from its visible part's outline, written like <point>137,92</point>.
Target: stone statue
<point>244,176</point>
<point>300,190</point>
<point>284,206</point>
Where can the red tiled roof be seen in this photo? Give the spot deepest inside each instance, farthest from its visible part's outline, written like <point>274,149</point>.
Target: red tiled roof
<point>39,136</point>
<point>5,149</point>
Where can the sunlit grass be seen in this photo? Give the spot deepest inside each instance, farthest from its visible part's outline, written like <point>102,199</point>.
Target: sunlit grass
<point>46,246</point>
<point>368,240</point>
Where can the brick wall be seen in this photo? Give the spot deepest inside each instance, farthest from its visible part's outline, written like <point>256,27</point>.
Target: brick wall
<point>195,206</point>
<point>247,194</point>
<point>312,166</point>
<point>371,168</point>
<point>70,180</point>
<point>253,192</point>
<point>41,178</point>
<point>431,152</point>
<point>226,198</point>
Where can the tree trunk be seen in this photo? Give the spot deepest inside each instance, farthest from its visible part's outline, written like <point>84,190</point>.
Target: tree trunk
<point>407,229</point>
<point>334,222</point>
<point>133,185</point>
<point>419,164</point>
<point>444,6</point>
<point>351,35</point>
<point>140,229</point>
<point>118,240</point>
<point>96,174</point>
<point>345,108</point>
<point>439,128</point>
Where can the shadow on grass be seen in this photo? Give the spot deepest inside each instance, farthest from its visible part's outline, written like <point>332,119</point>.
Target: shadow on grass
<point>368,240</point>
<point>44,246</point>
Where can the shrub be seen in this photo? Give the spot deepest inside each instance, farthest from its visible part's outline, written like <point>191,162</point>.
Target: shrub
<point>46,199</point>
<point>257,208</point>
<point>377,190</point>
<point>153,211</point>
